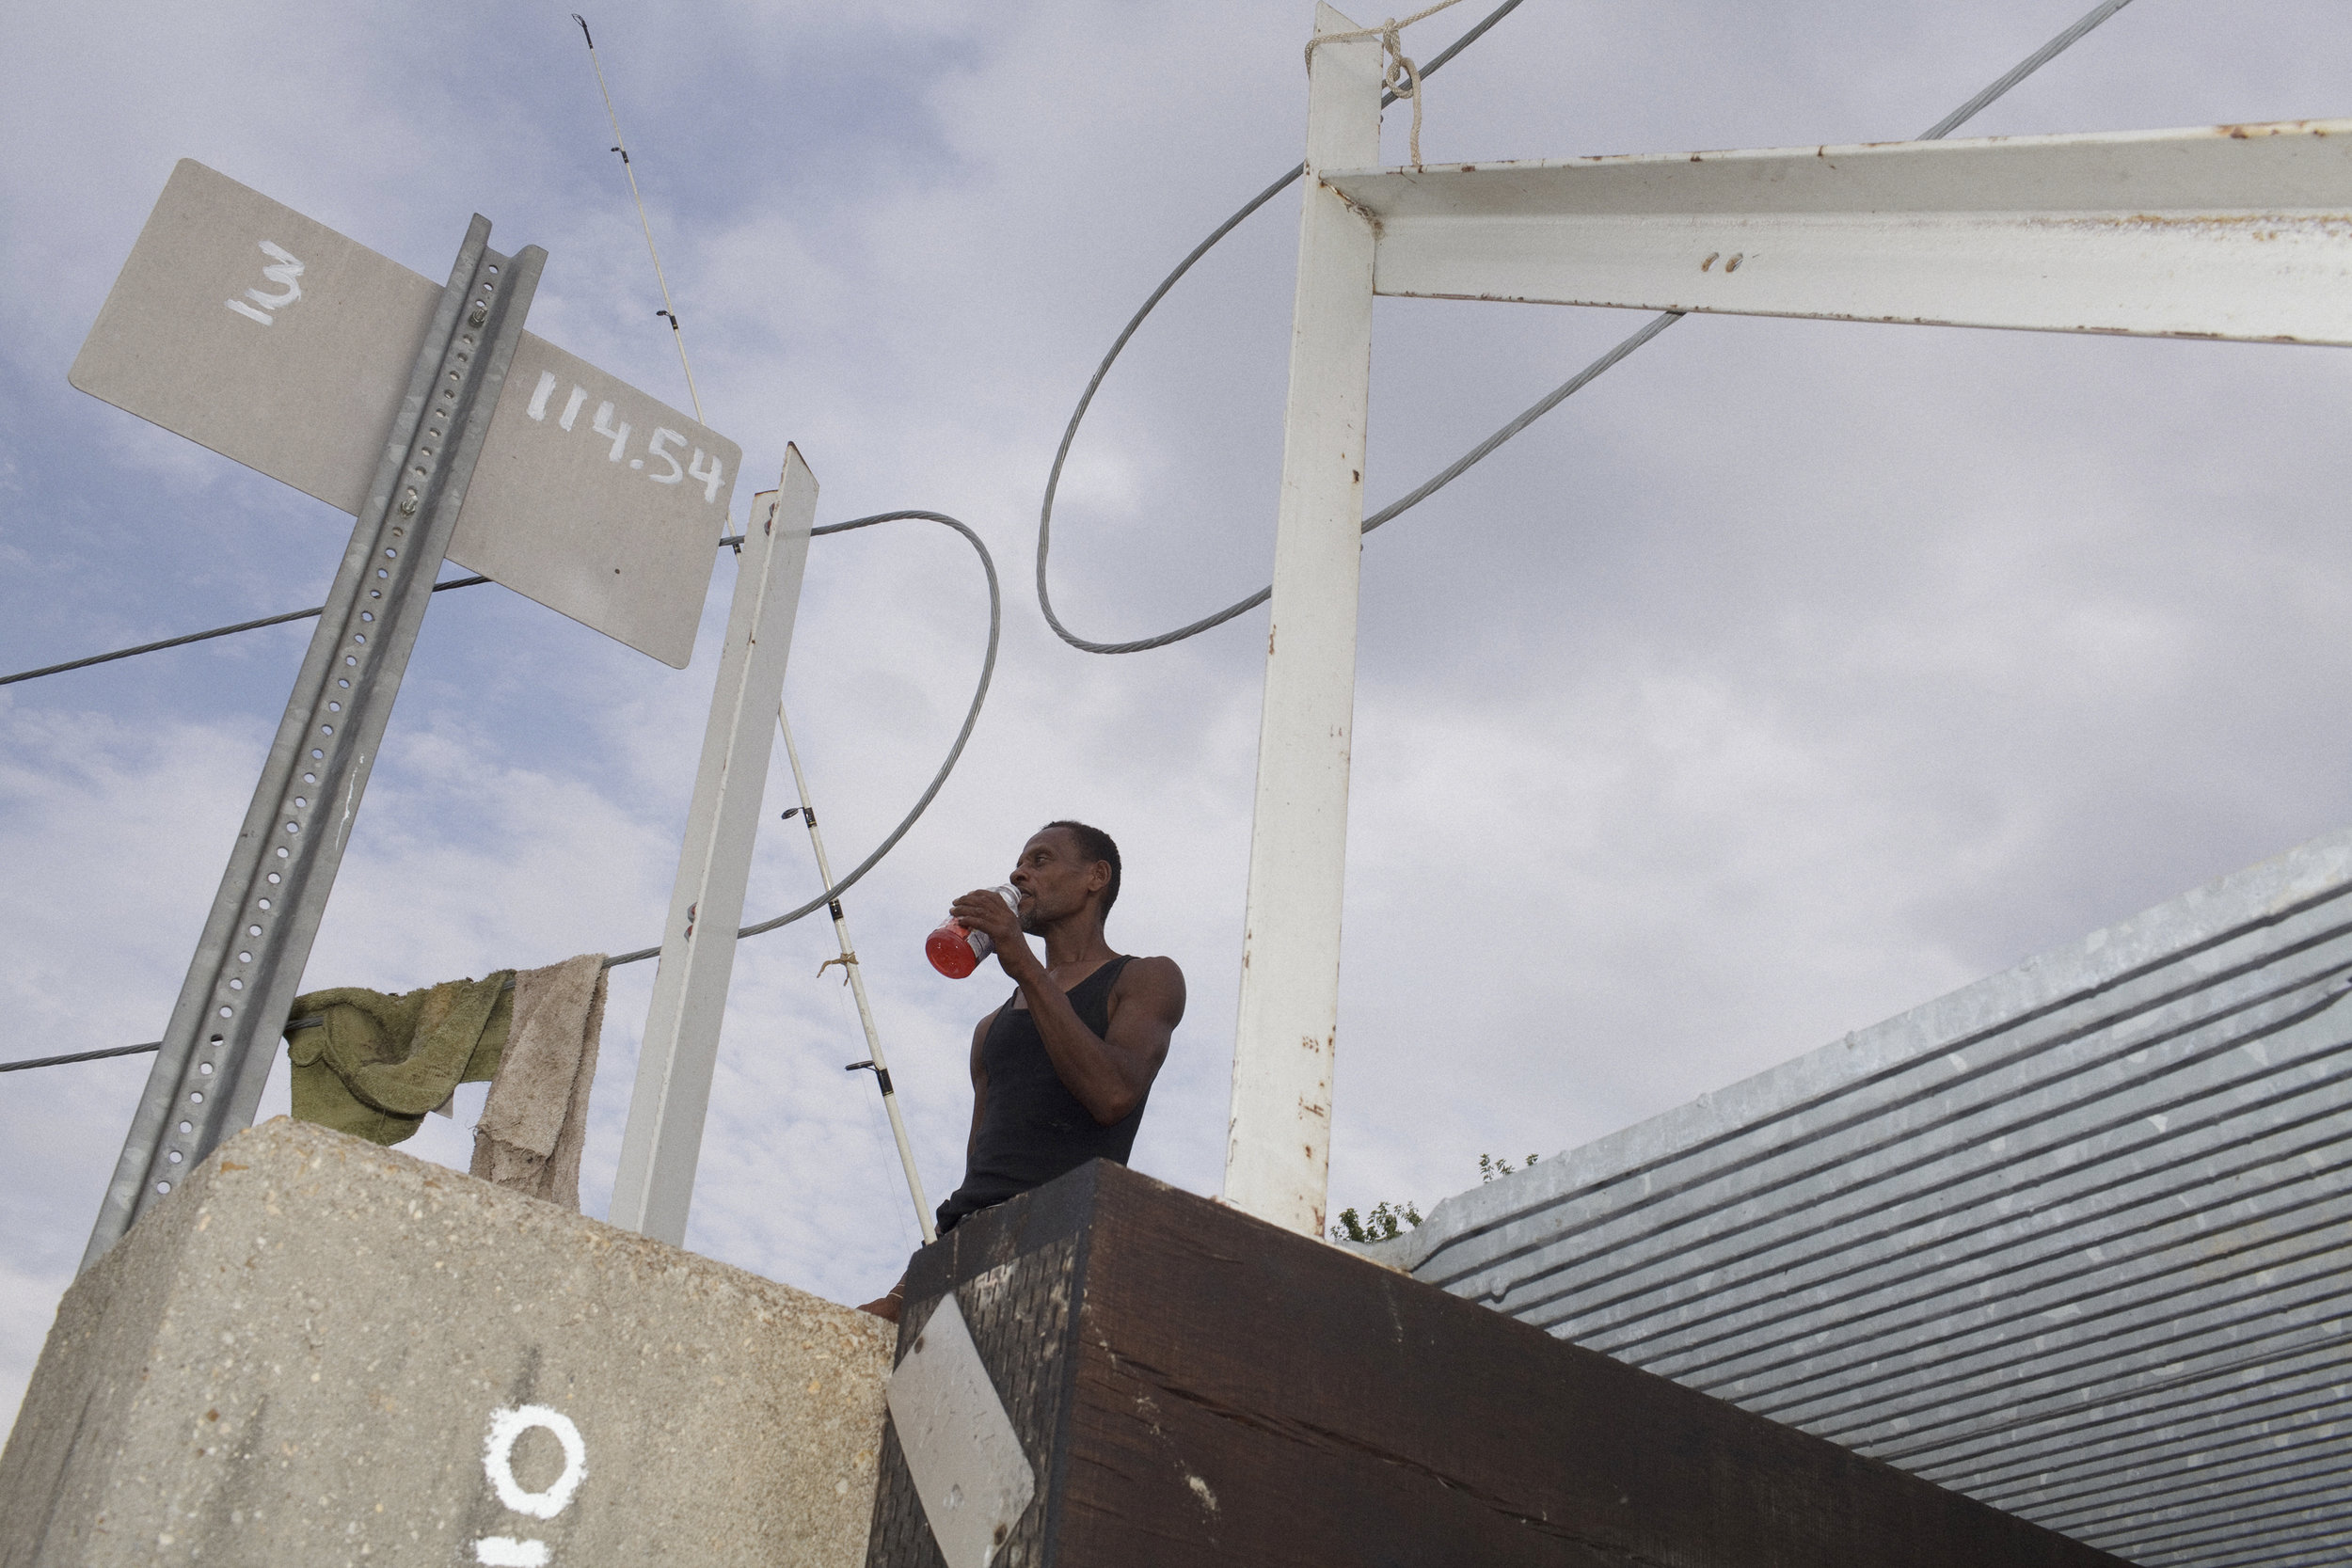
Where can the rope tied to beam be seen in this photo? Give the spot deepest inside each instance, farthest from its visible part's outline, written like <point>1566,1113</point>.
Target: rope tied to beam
<point>1400,78</point>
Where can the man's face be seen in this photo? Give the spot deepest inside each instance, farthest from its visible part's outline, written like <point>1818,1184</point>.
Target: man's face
<point>1054,878</point>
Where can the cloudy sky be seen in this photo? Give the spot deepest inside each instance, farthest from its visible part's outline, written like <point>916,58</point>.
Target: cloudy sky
<point>1789,676</point>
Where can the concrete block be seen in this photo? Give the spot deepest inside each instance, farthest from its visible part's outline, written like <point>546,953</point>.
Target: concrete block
<point>321,1352</point>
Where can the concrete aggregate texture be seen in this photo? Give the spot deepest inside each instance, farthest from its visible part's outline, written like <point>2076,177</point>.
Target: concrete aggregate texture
<point>1789,675</point>
<point>323,1351</point>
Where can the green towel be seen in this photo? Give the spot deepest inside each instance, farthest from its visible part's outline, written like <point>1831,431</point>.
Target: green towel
<point>377,1064</point>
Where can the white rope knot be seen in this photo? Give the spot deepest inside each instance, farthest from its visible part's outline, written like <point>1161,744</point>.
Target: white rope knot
<point>1400,78</point>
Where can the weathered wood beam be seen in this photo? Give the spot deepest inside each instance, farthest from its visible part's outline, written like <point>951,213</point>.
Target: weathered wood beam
<point>1190,1385</point>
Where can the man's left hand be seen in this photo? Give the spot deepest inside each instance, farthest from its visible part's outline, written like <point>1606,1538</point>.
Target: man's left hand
<point>986,912</point>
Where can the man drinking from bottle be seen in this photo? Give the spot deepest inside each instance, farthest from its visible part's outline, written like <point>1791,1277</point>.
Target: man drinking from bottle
<point>1060,1071</point>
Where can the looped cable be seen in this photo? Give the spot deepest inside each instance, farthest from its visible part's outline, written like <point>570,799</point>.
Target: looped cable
<point>1944,127</point>
<point>938,780</point>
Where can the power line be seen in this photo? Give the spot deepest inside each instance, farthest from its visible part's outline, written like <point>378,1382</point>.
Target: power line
<point>620,145</point>
<point>80,1056</point>
<point>198,637</point>
<point>726,543</point>
<point>939,779</point>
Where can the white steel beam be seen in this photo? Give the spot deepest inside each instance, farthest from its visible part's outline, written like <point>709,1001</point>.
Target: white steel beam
<point>1278,1151</point>
<point>2237,231</point>
<point>664,1140</point>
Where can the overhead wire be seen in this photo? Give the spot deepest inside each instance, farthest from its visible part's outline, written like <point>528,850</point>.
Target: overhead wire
<point>2065,40</point>
<point>971,719</point>
<point>620,145</point>
<point>197,637</point>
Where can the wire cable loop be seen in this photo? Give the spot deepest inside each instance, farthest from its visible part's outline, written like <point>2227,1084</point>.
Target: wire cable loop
<point>2065,40</point>
<point>1085,399</point>
<point>971,718</point>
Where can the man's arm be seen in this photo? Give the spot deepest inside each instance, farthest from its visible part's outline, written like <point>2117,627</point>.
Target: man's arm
<point>1110,1073</point>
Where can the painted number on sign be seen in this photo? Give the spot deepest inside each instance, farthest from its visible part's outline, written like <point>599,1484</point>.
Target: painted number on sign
<point>498,1465</point>
<point>658,447</point>
<point>282,274</point>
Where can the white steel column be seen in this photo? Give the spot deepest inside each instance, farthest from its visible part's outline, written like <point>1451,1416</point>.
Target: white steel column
<point>664,1140</point>
<point>1277,1150</point>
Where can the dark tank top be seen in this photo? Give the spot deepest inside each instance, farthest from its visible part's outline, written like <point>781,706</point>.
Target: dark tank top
<point>1033,1129</point>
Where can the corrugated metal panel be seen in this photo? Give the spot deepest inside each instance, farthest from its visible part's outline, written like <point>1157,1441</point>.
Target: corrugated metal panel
<point>2075,1239</point>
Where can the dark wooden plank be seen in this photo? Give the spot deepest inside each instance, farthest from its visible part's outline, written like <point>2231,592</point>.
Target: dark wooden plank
<point>1227,1392</point>
<point>1014,1269</point>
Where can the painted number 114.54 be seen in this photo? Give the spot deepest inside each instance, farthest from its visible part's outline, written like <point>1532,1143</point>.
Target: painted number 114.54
<point>659,447</point>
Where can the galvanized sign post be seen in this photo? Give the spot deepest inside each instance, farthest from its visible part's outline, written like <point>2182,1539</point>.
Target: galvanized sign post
<point>216,1054</point>
<point>258,332</point>
<point>2234,231</point>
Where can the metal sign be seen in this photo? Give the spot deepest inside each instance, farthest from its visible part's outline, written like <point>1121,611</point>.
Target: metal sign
<point>216,1053</point>
<point>271,339</point>
<point>243,325</point>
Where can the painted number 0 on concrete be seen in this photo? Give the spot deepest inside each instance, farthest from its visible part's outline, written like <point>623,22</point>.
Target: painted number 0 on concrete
<point>498,1463</point>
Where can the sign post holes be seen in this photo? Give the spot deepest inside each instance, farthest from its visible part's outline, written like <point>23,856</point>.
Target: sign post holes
<point>243,325</point>
<point>208,1077</point>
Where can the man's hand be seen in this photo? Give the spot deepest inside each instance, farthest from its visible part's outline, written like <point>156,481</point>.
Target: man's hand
<point>986,912</point>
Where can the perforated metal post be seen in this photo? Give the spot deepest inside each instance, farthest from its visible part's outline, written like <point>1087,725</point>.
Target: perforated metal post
<point>216,1054</point>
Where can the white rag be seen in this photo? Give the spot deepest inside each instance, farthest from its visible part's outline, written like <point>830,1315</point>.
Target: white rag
<point>535,1121</point>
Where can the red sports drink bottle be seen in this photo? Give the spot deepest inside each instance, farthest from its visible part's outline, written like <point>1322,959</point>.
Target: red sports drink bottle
<point>956,950</point>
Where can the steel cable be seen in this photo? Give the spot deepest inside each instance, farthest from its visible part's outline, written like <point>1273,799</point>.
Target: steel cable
<point>938,780</point>
<point>971,718</point>
<point>1942,128</point>
<point>198,637</point>
<point>1085,399</point>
